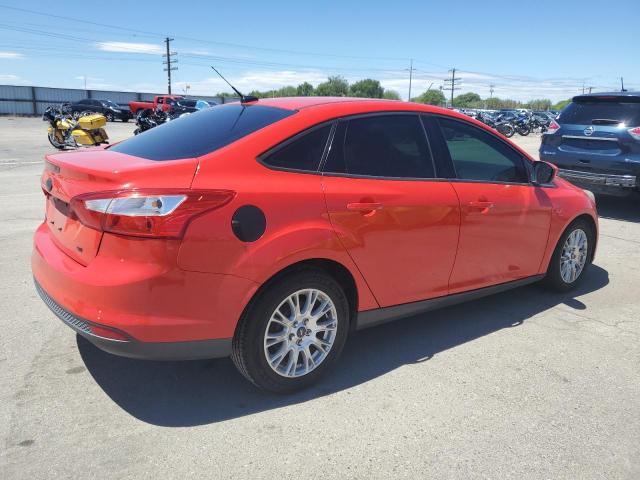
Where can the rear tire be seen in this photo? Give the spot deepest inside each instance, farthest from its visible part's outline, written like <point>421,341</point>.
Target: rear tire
<point>566,268</point>
<point>283,349</point>
<point>506,130</point>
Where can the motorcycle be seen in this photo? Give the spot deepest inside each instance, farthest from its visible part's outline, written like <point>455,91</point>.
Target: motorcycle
<point>66,132</point>
<point>502,126</point>
<point>522,124</point>
<point>148,119</point>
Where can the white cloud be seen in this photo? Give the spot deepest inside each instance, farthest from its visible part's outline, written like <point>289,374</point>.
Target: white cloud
<point>254,80</point>
<point>11,55</point>
<point>11,79</point>
<point>131,47</point>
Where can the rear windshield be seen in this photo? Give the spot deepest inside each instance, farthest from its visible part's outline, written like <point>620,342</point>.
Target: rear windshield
<point>606,112</point>
<point>201,132</point>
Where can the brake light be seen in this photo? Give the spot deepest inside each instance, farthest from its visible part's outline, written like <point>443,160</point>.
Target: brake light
<point>634,132</point>
<point>552,128</point>
<point>146,213</point>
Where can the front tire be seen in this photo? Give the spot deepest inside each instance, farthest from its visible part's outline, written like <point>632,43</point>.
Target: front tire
<point>293,332</point>
<point>572,257</point>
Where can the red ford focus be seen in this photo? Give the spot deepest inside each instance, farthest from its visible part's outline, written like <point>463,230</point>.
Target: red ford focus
<point>270,230</point>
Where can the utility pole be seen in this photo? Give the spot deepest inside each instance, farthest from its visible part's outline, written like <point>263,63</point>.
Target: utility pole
<point>411,69</point>
<point>590,89</point>
<point>491,90</point>
<point>622,89</point>
<point>452,84</point>
<point>168,61</point>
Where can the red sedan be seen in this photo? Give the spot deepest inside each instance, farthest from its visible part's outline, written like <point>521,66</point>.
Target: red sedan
<point>270,230</point>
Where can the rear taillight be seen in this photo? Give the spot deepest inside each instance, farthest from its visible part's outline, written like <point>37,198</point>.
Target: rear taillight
<point>146,213</point>
<point>552,128</point>
<point>634,132</point>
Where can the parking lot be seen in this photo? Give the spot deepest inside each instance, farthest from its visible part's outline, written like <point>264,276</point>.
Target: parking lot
<point>526,383</point>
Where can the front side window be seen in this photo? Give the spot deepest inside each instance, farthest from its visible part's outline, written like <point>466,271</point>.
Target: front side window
<point>301,153</point>
<point>478,155</point>
<point>202,132</point>
<point>392,146</point>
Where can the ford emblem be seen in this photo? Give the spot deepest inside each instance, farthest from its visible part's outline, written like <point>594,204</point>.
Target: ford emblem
<point>589,131</point>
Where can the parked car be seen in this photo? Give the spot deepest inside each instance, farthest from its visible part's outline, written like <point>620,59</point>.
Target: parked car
<point>164,102</point>
<point>271,230</point>
<point>111,110</point>
<point>190,105</point>
<point>595,142</point>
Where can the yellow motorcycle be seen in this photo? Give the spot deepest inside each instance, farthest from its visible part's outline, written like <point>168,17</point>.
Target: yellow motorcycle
<point>66,132</point>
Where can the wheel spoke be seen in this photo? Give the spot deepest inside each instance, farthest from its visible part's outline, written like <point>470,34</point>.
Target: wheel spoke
<point>275,338</point>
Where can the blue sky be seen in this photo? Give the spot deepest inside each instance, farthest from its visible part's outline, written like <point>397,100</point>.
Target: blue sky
<point>525,49</point>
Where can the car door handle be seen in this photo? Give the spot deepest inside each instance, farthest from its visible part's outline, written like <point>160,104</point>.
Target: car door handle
<point>480,207</point>
<point>364,206</point>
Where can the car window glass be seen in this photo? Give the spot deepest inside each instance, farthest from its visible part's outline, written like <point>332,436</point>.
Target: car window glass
<point>585,112</point>
<point>381,146</point>
<point>302,153</point>
<point>478,155</point>
<point>202,132</point>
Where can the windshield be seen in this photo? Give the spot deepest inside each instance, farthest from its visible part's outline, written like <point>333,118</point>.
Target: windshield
<point>614,111</point>
<point>111,104</point>
<point>202,132</point>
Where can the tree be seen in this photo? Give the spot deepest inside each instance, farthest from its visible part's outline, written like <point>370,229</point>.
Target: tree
<point>391,95</point>
<point>561,104</point>
<point>367,88</point>
<point>539,104</point>
<point>335,86</point>
<point>467,100</point>
<point>431,97</point>
<point>304,89</point>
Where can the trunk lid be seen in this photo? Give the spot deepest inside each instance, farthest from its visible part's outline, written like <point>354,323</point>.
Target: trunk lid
<point>67,175</point>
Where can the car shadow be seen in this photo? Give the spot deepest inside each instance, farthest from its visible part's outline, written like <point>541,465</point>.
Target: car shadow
<point>202,392</point>
<point>619,208</point>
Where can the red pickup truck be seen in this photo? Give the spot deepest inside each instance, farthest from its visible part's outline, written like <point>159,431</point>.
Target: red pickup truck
<point>164,100</point>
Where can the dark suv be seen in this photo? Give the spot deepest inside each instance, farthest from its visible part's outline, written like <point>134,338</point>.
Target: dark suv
<point>109,109</point>
<point>595,142</point>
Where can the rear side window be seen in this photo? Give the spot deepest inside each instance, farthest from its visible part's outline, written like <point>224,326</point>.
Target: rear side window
<point>602,112</point>
<point>478,155</point>
<point>381,146</point>
<point>301,153</point>
<point>202,132</point>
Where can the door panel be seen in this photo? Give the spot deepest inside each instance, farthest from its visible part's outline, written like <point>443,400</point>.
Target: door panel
<point>402,235</point>
<point>503,234</point>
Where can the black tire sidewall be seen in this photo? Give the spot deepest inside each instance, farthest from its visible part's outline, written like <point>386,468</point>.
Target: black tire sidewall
<point>258,317</point>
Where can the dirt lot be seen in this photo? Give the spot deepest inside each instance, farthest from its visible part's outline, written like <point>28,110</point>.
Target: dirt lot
<point>525,384</point>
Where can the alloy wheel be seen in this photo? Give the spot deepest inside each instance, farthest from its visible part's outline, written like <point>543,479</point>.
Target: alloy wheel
<point>300,333</point>
<point>574,256</point>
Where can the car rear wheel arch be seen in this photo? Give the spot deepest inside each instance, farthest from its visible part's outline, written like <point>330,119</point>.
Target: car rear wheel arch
<point>335,270</point>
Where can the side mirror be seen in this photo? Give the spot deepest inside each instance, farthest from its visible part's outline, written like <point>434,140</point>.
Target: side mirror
<point>543,173</point>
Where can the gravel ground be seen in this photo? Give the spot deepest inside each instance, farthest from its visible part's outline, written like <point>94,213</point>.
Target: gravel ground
<point>525,384</point>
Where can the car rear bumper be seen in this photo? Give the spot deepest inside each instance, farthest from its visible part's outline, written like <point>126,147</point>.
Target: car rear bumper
<point>155,309</point>
<point>599,182</point>
<point>129,347</point>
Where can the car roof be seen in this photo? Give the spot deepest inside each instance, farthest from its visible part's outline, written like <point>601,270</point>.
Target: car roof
<point>299,103</point>
<point>606,94</point>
